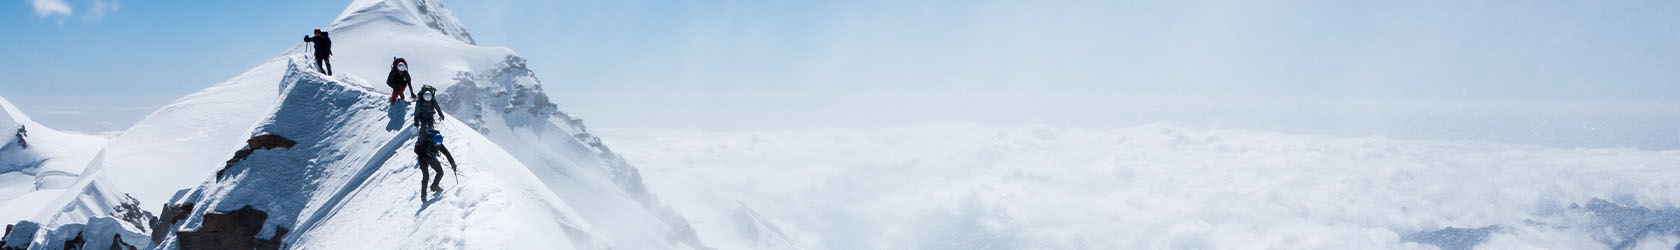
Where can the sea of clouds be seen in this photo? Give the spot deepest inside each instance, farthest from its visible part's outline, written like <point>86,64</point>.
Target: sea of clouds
<point>1161,186</point>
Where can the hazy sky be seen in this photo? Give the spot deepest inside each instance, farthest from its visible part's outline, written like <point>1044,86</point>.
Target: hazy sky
<point>1428,68</point>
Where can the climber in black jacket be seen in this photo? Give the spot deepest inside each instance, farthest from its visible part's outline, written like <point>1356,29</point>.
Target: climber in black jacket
<point>426,107</point>
<point>399,80</point>
<point>426,150</point>
<point>323,50</point>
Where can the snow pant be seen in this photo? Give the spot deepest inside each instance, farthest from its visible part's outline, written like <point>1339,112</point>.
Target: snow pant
<point>396,93</point>
<point>425,174</point>
<point>323,64</point>
<point>428,165</point>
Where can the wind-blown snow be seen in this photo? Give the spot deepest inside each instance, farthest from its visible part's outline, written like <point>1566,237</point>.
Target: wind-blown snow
<point>1158,187</point>
<point>351,181</point>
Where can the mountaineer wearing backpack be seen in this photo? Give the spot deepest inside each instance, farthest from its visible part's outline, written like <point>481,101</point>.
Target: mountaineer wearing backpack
<point>323,50</point>
<point>426,148</point>
<point>426,107</point>
<point>399,80</point>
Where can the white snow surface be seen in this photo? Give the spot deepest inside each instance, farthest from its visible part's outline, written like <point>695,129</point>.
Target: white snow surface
<point>30,177</point>
<point>963,186</point>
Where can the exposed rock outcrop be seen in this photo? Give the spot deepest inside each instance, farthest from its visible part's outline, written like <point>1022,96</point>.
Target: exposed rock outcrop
<point>235,229</point>
<point>21,134</point>
<point>130,212</point>
<point>165,222</point>
<point>118,244</point>
<point>267,141</point>
<point>75,243</point>
<point>19,237</point>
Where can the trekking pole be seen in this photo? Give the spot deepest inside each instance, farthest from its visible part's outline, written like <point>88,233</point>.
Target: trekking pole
<point>456,167</point>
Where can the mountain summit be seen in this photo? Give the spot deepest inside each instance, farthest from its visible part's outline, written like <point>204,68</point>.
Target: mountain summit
<point>429,12</point>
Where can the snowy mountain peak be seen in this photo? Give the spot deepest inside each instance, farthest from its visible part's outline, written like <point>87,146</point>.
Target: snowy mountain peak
<point>430,13</point>
<point>37,163</point>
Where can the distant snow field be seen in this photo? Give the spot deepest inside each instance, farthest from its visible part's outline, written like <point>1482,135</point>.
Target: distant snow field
<point>959,186</point>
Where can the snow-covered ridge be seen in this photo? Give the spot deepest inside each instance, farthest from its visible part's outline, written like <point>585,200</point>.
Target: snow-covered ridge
<point>350,181</point>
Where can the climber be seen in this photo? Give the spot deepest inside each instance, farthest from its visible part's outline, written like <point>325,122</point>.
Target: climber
<point>399,80</point>
<point>323,50</point>
<point>424,152</point>
<point>426,149</point>
<point>426,107</point>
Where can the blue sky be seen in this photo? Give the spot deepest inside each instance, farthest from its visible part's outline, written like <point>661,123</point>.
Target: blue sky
<point>1405,49</point>
<point>622,60</point>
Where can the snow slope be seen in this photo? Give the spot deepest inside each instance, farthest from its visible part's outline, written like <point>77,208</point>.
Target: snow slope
<point>488,89</point>
<point>171,149</point>
<point>164,152</point>
<point>30,177</point>
<point>351,181</point>
<point>1161,187</point>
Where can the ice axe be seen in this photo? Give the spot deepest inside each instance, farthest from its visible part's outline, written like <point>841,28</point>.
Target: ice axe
<point>307,49</point>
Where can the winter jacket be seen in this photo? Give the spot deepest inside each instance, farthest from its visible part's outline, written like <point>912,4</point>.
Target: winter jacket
<point>397,79</point>
<point>323,45</point>
<point>424,110</point>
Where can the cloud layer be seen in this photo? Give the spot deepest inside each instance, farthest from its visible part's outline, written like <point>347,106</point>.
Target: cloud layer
<point>1152,187</point>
